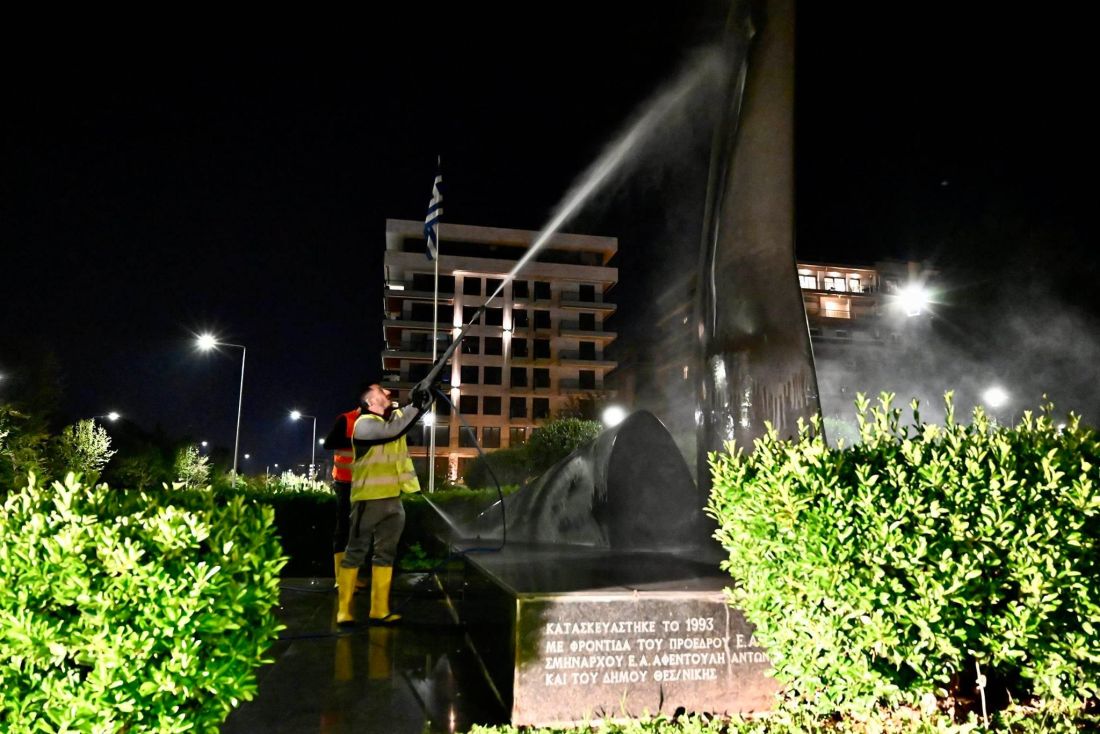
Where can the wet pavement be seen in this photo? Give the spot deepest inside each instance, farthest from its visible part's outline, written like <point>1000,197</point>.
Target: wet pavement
<point>420,676</point>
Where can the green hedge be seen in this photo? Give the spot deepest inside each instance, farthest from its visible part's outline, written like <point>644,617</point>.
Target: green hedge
<point>885,572</point>
<point>131,611</point>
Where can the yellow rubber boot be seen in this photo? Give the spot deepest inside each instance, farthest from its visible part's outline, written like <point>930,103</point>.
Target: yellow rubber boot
<point>380,580</point>
<point>345,583</point>
<point>336,558</point>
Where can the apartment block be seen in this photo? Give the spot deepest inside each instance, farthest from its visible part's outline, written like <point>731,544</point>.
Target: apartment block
<point>540,344</point>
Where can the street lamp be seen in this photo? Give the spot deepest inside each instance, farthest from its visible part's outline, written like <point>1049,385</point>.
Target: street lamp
<point>295,415</point>
<point>613,415</point>
<point>995,396</point>
<point>206,342</point>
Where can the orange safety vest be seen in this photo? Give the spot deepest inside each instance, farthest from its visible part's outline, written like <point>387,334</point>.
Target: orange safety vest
<point>342,458</point>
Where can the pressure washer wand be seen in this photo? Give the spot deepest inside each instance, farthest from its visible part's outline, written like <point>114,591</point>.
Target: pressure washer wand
<point>433,374</point>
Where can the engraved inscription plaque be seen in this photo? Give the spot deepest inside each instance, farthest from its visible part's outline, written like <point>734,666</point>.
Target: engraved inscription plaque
<point>587,657</point>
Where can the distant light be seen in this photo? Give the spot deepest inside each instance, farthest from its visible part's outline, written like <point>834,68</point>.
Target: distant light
<point>995,397</point>
<point>207,342</point>
<point>428,419</point>
<point>613,415</point>
<point>248,456</point>
<point>396,286</point>
<point>913,299</point>
<point>204,444</point>
<point>113,416</point>
<point>295,414</point>
<point>276,466</point>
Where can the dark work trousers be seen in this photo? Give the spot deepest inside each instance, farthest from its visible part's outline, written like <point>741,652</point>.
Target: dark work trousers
<point>374,521</point>
<point>343,515</point>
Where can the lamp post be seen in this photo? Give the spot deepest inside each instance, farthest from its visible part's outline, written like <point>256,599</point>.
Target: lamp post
<point>295,415</point>
<point>207,342</point>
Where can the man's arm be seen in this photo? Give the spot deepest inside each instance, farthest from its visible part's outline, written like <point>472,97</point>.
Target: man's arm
<point>375,432</point>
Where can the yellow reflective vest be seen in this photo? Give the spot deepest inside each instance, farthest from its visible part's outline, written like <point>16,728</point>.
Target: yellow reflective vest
<point>384,470</point>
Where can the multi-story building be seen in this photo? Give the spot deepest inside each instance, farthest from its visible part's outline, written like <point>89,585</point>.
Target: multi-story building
<point>863,321</point>
<point>539,346</point>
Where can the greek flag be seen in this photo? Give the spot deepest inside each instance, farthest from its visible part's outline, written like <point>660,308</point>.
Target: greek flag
<point>435,211</point>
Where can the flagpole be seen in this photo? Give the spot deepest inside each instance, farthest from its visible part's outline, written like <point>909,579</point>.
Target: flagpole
<point>435,346</point>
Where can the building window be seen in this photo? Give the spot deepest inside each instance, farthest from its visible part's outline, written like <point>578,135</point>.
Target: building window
<point>468,373</point>
<point>471,286</point>
<point>490,405</point>
<point>491,375</point>
<point>471,345</point>
<point>836,308</point>
<point>588,379</point>
<point>494,316</point>
<point>833,283</point>
<point>517,436</point>
<point>519,377</point>
<point>491,285</point>
<point>467,404</point>
<point>442,434</point>
<point>519,318</point>
<point>490,437</point>
<point>588,350</point>
<point>807,281</point>
<point>519,348</point>
<point>542,377</point>
<point>467,439</point>
<point>418,371</point>
<point>542,319</point>
<point>517,407</point>
<point>494,345</point>
<point>519,289</point>
<point>587,322</point>
<point>540,408</point>
<point>854,284</point>
<point>542,290</point>
<point>588,293</point>
<point>424,312</point>
<point>542,349</point>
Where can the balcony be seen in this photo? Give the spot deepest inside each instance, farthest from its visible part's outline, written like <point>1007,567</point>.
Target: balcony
<point>573,329</point>
<point>572,302</point>
<point>574,358</point>
<point>406,290</point>
<point>574,386</point>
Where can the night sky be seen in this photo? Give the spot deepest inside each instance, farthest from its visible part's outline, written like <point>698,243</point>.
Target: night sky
<point>158,185</point>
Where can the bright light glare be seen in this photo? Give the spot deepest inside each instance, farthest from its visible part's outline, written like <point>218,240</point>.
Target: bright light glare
<point>613,415</point>
<point>207,342</point>
<point>995,396</point>
<point>913,299</point>
<point>113,416</point>
<point>295,414</point>
<point>204,444</point>
<point>428,419</point>
<point>248,456</point>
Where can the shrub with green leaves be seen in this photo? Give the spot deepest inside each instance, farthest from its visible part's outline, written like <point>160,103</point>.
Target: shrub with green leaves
<point>507,466</point>
<point>131,611</point>
<point>889,570</point>
<point>83,448</point>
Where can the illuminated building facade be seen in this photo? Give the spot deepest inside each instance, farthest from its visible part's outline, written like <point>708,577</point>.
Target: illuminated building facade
<point>539,346</point>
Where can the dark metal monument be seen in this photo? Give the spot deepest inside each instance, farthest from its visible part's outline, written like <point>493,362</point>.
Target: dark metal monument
<point>604,599</point>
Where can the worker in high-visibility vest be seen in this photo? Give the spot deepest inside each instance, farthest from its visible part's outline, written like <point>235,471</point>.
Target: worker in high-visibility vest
<point>338,442</point>
<point>381,471</point>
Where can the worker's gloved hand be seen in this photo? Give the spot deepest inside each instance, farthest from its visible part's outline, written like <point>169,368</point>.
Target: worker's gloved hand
<point>421,397</point>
